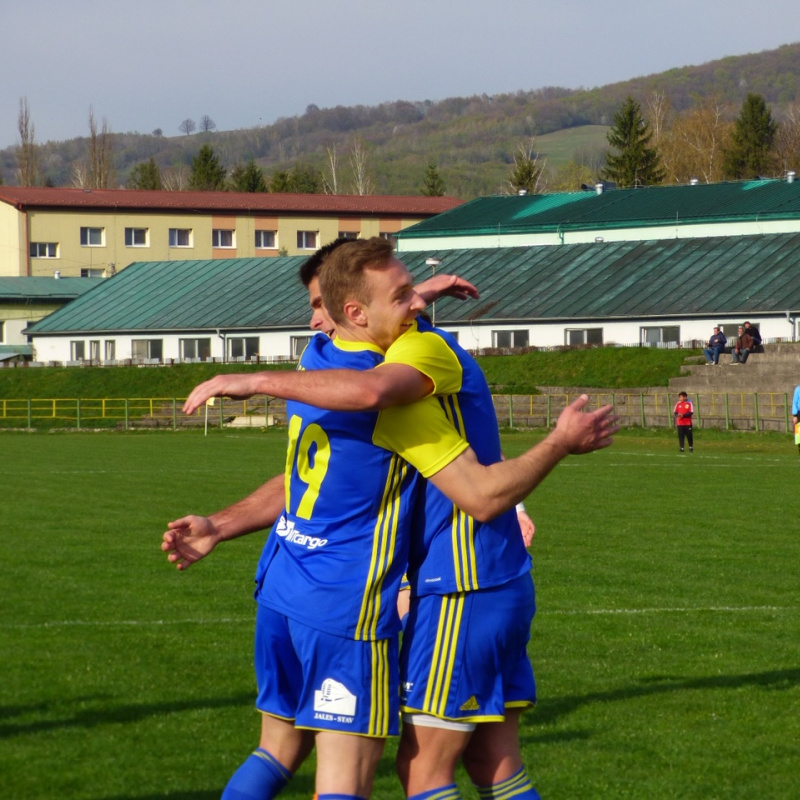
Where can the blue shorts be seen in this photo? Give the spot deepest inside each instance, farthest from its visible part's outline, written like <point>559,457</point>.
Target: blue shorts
<point>324,682</point>
<point>464,655</point>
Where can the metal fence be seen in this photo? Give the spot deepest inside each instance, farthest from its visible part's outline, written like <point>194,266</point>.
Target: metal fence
<point>729,411</point>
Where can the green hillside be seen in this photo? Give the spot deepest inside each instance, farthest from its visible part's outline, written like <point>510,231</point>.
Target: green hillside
<point>472,139</point>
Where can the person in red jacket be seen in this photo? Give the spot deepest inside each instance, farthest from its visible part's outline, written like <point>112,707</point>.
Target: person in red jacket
<point>683,412</point>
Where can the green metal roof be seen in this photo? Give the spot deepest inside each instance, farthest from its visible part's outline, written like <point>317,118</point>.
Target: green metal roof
<point>616,208</point>
<point>41,289</point>
<point>189,295</point>
<point>678,278</point>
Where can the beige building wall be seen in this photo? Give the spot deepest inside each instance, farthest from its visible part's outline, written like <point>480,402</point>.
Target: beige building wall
<point>13,246</point>
<point>60,231</point>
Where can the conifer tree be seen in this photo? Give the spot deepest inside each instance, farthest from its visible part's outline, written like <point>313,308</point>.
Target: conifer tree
<point>208,175</point>
<point>434,185</point>
<point>753,135</point>
<point>146,175</point>
<point>248,178</point>
<point>635,163</point>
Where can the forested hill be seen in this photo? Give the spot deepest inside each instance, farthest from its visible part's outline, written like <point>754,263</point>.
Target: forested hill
<point>472,139</point>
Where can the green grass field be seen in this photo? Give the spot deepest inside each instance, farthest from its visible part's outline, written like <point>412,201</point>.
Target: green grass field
<point>666,647</point>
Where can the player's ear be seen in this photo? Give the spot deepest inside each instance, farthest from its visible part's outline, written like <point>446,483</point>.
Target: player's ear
<point>355,313</point>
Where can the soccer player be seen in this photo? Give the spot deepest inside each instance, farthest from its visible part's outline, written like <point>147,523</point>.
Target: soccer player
<point>458,577</point>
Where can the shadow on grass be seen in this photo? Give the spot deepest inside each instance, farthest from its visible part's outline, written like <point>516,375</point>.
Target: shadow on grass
<point>91,718</point>
<point>549,711</point>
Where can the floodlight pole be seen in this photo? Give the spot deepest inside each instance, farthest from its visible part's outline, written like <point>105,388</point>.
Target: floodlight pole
<point>433,263</point>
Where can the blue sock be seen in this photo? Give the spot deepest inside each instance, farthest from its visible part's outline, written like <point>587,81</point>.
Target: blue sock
<point>517,786</point>
<point>339,797</point>
<point>442,793</point>
<point>260,777</point>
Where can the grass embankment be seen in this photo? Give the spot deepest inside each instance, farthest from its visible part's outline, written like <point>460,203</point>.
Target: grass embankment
<point>604,367</point>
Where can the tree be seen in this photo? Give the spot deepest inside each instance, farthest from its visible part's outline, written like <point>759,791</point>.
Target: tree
<point>187,126</point>
<point>635,163</point>
<point>101,168</point>
<point>434,185</point>
<point>207,124</point>
<point>208,175</point>
<point>526,174</point>
<point>330,180</point>
<point>248,178</point>
<point>280,182</point>
<point>693,146</point>
<point>27,167</point>
<point>146,175</point>
<point>749,155</point>
<point>301,179</point>
<point>571,176</point>
<point>362,182</point>
<point>787,140</point>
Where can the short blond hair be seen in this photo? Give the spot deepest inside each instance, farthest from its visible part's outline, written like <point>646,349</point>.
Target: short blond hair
<point>342,277</point>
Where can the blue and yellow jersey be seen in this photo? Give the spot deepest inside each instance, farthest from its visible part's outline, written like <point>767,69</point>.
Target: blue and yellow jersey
<point>342,541</point>
<point>450,551</point>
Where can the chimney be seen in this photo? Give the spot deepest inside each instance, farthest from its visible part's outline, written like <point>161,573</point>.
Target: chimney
<point>57,274</point>
<point>790,176</point>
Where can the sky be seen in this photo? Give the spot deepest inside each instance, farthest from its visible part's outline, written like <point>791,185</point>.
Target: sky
<point>140,65</point>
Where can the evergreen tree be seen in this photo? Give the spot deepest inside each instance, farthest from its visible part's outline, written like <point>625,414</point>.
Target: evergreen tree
<point>635,163</point>
<point>434,185</point>
<point>753,136</point>
<point>301,179</point>
<point>146,175</point>
<point>280,181</point>
<point>525,175</point>
<point>248,178</point>
<point>208,175</point>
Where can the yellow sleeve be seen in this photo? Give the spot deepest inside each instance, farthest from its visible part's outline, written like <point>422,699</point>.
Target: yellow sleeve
<point>421,434</point>
<point>429,354</point>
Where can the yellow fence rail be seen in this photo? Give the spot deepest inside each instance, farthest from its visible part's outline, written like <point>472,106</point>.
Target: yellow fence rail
<point>731,411</point>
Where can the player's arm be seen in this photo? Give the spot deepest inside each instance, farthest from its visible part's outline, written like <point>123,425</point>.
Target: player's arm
<point>193,537</point>
<point>334,389</point>
<point>424,437</point>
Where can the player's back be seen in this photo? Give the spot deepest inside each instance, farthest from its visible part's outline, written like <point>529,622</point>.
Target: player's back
<point>450,551</point>
<point>343,537</point>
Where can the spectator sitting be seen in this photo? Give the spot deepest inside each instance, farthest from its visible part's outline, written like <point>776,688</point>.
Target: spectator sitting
<point>756,334</point>
<point>743,346</point>
<point>716,345</point>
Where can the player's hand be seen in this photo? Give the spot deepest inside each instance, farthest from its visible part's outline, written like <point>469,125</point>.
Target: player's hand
<point>446,286</point>
<point>239,386</point>
<point>584,432</point>
<point>527,527</point>
<point>189,539</point>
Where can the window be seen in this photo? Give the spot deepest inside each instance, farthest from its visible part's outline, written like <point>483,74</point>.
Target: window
<point>222,238</point>
<point>389,236</point>
<point>348,235</point>
<point>575,336</point>
<point>44,250</point>
<point>92,237</point>
<point>180,237</point>
<point>510,338</point>
<point>306,240</point>
<point>660,336</point>
<point>77,350</point>
<point>2,330</point>
<point>136,237</point>
<point>265,240</point>
<point>243,347</point>
<point>88,272</point>
<point>195,348</point>
<point>111,350</point>
<point>147,348</point>
<point>297,344</point>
